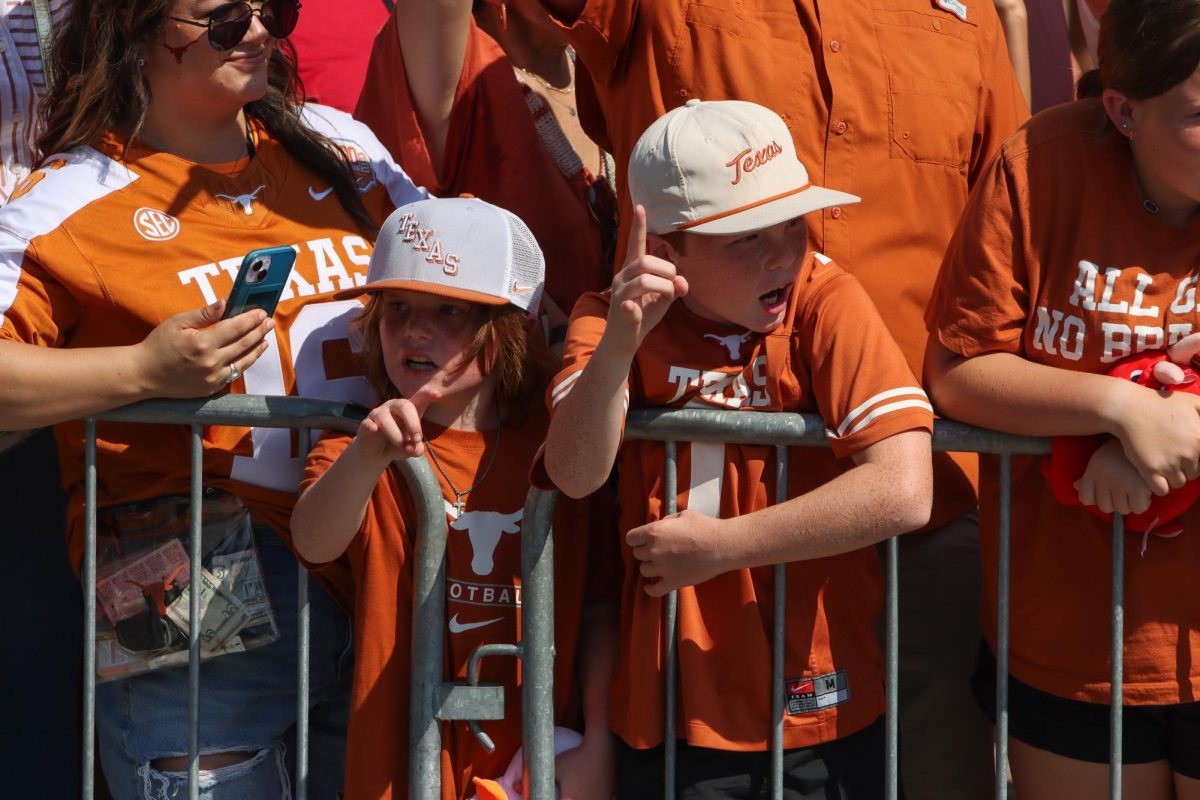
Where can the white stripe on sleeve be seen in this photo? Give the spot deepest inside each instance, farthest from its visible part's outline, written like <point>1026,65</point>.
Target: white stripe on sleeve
<point>915,391</point>
<point>888,409</point>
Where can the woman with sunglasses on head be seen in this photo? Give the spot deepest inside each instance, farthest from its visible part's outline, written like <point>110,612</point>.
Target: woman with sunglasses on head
<point>480,97</point>
<point>1078,249</point>
<point>172,146</point>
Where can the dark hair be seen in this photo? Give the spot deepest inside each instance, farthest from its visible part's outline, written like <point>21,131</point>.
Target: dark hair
<point>1146,48</point>
<point>508,345</point>
<point>99,86</point>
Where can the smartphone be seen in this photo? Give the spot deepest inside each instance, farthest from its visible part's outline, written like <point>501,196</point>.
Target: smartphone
<point>260,280</point>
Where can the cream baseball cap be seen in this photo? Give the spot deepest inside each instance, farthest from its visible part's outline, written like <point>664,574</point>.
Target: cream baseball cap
<point>457,247</point>
<point>722,167</point>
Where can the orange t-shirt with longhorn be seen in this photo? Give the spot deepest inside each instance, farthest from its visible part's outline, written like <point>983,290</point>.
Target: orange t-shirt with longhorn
<point>494,151</point>
<point>483,601</point>
<point>833,356</point>
<point>902,105</point>
<point>96,250</point>
<point>1056,261</point>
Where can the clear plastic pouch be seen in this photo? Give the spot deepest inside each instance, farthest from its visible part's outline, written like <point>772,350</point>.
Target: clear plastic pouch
<point>143,591</point>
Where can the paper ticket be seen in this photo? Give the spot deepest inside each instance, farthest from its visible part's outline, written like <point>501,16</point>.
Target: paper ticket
<point>120,591</point>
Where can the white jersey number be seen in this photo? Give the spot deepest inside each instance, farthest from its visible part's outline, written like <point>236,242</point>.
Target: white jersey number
<point>273,465</point>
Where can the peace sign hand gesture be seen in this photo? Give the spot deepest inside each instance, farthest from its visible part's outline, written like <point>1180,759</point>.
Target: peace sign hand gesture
<point>641,292</point>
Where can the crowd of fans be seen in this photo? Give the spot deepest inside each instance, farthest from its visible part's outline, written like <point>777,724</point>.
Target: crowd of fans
<point>511,222</point>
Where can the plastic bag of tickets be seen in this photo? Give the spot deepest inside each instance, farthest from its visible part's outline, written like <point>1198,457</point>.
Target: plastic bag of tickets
<point>143,584</point>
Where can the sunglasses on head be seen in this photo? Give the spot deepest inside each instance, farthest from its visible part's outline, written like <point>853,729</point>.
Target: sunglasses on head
<point>227,24</point>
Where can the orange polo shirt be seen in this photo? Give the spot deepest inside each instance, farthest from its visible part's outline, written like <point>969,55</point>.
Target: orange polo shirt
<point>1056,261</point>
<point>902,105</point>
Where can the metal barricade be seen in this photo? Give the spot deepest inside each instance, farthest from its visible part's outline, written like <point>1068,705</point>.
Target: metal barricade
<point>783,431</point>
<point>432,699</point>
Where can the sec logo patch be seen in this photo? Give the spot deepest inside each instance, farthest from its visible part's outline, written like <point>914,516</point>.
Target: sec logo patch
<point>157,226</point>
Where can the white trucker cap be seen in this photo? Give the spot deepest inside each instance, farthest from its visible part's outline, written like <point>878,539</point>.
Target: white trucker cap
<point>722,167</point>
<point>457,247</point>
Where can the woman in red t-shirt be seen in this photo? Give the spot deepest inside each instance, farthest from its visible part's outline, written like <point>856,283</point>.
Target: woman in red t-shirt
<point>480,98</point>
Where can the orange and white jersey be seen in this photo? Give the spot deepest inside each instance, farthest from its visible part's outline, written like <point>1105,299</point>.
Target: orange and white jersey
<point>97,248</point>
<point>835,357</point>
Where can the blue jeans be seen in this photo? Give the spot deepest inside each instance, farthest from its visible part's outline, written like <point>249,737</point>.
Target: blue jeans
<point>247,705</point>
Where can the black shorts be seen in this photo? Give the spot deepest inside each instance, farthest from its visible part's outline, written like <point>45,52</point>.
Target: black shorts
<point>850,768</point>
<point>1079,730</point>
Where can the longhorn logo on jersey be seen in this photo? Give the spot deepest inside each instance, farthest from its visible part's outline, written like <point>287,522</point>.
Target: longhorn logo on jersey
<point>733,343</point>
<point>246,201</point>
<point>155,225</point>
<point>484,529</point>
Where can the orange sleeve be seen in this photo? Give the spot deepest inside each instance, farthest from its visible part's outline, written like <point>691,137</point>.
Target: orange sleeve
<point>34,307</point>
<point>584,331</point>
<point>387,107</point>
<point>862,384</point>
<point>1003,108</point>
<point>980,302</point>
<point>600,35</point>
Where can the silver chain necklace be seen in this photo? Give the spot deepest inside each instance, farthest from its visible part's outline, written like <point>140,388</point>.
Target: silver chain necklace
<point>458,496</point>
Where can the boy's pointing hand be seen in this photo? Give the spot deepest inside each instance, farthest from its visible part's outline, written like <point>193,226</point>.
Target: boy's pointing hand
<point>642,291</point>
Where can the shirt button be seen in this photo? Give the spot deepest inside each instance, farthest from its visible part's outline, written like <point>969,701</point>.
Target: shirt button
<point>937,24</point>
<point>835,212</point>
<point>835,45</point>
<point>840,128</point>
<point>16,117</point>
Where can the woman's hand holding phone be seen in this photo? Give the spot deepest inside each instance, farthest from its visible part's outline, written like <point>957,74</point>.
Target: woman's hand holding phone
<point>190,354</point>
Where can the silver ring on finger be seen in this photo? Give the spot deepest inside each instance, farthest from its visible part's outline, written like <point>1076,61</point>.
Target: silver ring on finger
<point>234,372</point>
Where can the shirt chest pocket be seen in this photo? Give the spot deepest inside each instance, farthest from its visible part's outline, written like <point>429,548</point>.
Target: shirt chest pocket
<point>933,78</point>
<point>752,50</point>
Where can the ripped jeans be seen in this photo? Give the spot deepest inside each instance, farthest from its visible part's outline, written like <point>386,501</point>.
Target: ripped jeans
<point>247,705</point>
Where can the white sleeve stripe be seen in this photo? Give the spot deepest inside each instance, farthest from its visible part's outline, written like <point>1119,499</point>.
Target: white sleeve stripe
<point>887,409</point>
<point>879,398</point>
<point>565,385</point>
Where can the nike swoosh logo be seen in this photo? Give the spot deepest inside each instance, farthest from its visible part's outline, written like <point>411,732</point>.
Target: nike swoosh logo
<point>319,196</point>
<point>521,289</point>
<point>460,627</point>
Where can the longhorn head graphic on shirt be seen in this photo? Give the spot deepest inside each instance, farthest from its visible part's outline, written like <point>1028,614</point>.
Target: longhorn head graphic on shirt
<point>484,529</point>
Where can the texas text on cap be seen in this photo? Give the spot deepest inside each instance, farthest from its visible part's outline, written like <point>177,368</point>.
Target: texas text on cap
<point>722,167</point>
<point>457,247</point>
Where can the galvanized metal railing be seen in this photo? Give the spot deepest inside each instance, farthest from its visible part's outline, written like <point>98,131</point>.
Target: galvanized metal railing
<point>783,431</point>
<point>432,699</point>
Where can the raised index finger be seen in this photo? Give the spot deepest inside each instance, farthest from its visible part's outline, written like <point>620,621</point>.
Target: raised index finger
<point>423,397</point>
<point>636,248</point>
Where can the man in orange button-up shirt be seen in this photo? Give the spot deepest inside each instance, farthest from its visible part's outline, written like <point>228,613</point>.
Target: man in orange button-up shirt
<point>902,104</point>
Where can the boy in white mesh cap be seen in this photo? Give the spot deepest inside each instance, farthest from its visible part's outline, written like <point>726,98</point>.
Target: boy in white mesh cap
<point>721,305</point>
<point>454,352</point>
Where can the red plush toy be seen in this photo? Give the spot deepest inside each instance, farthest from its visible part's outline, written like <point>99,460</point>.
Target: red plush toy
<point>1173,370</point>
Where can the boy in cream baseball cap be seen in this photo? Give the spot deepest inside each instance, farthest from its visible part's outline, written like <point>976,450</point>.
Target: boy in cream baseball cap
<point>721,305</point>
